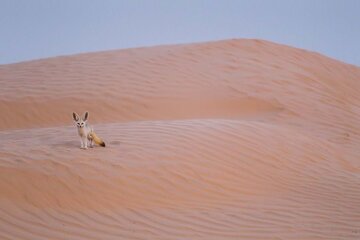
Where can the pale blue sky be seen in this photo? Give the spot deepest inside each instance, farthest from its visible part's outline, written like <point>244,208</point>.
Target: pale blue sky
<point>32,29</point>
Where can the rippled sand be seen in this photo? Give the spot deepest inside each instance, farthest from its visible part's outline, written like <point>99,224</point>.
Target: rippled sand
<point>237,139</point>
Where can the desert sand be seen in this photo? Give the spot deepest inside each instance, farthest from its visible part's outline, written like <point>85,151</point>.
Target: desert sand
<point>235,139</point>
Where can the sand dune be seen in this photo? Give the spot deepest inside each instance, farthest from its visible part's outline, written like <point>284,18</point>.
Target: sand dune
<point>237,139</point>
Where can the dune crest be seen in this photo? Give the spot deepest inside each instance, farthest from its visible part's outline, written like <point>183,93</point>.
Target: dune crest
<point>236,139</point>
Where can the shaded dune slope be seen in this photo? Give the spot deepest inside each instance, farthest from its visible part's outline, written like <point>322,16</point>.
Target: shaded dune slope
<point>238,139</point>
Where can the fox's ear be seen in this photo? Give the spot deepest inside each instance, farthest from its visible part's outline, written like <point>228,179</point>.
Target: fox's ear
<point>76,116</point>
<point>86,115</point>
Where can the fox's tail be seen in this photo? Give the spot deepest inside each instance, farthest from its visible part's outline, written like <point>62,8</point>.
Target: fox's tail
<point>96,139</point>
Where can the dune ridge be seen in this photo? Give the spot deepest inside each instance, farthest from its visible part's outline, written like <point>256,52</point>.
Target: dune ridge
<point>235,139</point>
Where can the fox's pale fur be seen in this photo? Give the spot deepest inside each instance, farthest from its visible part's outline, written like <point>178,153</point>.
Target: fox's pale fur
<point>87,135</point>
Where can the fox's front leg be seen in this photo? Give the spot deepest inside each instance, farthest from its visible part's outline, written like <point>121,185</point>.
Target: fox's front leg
<point>84,143</point>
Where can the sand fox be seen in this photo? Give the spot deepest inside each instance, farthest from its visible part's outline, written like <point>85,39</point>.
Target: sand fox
<point>86,133</point>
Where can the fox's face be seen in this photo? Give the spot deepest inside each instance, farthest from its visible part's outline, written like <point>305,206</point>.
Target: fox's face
<point>80,122</point>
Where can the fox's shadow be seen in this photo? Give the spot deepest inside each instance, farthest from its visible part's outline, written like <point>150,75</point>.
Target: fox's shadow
<point>76,144</point>
<point>68,144</point>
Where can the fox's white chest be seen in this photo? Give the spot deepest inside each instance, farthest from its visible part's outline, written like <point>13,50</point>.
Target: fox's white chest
<point>83,132</point>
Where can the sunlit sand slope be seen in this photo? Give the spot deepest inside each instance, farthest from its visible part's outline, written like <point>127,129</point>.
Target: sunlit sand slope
<point>238,139</point>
